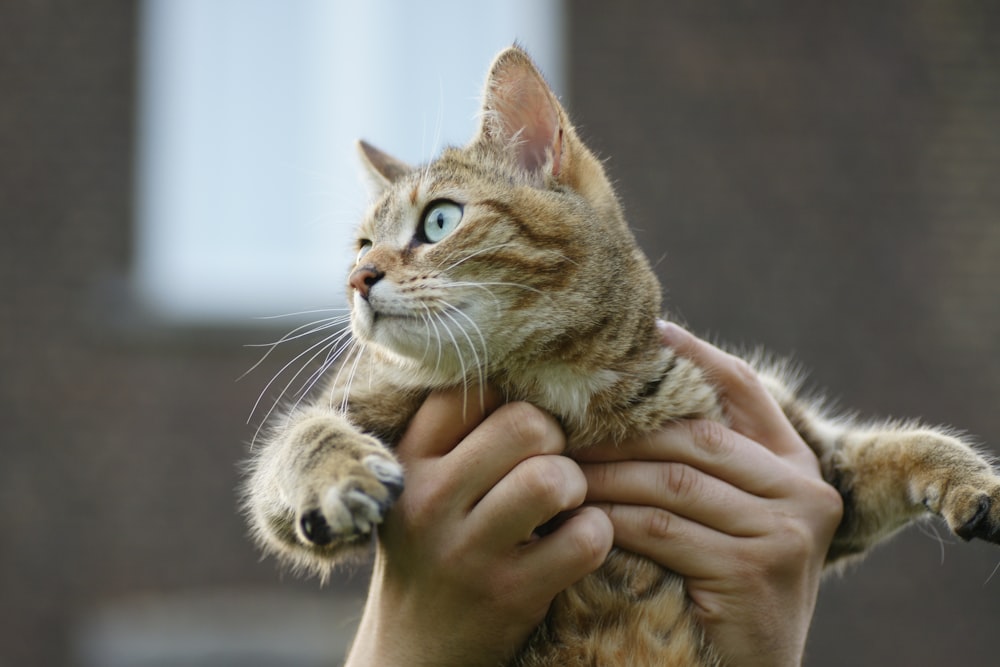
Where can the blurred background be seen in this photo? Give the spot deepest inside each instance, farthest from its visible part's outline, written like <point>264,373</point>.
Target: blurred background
<point>819,178</point>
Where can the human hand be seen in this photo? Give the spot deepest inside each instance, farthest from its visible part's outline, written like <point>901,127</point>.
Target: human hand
<point>741,513</point>
<point>461,578</point>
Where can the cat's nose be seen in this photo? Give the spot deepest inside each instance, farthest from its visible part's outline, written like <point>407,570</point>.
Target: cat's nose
<point>364,278</point>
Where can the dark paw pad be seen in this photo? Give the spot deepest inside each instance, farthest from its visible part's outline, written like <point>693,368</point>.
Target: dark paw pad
<point>315,528</point>
<point>980,525</point>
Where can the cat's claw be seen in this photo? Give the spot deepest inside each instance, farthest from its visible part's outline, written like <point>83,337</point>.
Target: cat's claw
<point>348,512</point>
<point>388,472</point>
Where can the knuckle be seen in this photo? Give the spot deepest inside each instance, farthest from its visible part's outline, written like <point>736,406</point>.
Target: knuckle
<point>424,502</point>
<point>791,542</point>
<point>600,477</point>
<point>794,546</point>
<point>546,479</point>
<point>658,524</point>
<point>529,426</point>
<point>743,375</point>
<point>749,564</point>
<point>420,506</point>
<point>711,437</point>
<point>680,480</point>
<point>831,503</point>
<point>797,540</point>
<point>591,544</point>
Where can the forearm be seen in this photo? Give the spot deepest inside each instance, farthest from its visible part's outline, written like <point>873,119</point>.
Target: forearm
<point>374,644</point>
<point>395,632</point>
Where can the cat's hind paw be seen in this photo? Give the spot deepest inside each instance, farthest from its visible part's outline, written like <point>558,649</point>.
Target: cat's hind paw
<point>985,521</point>
<point>973,511</point>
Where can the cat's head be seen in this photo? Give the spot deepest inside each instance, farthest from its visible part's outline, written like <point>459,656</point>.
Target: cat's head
<point>508,249</point>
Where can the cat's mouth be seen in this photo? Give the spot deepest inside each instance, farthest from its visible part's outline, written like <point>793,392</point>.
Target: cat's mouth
<point>448,341</point>
<point>367,318</point>
<point>373,310</point>
<point>385,325</point>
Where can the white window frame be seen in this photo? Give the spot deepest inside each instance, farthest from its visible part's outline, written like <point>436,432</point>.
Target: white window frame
<point>248,184</point>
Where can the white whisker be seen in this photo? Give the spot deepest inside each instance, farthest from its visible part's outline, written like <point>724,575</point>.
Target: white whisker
<point>335,349</point>
<point>931,531</point>
<point>351,348</point>
<point>318,325</point>
<point>562,256</point>
<point>480,365</point>
<point>322,345</point>
<point>992,574</point>
<point>438,125</point>
<point>437,337</point>
<point>485,362</point>
<point>471,255</point>
<point>461,363</point>
<point>300,313</point>
<point>484,285</point>
<point>285,367</point>
<point>311,328</point>
<point>360,347</point>
<point>311,381</point>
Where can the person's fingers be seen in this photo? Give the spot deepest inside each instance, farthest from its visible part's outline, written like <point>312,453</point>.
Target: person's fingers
<point>575,549</point>
<point>447,486</point>
<point>691,549</point>
<point>708,446</point>
<point>751,408</point>
<point>513,433</point>
<point>681,490</point>
<point>444,419</point>
<point>536,490</point>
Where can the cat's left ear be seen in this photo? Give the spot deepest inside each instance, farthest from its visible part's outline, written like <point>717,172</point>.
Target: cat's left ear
<point>520,114</point>
<point>382,168</point>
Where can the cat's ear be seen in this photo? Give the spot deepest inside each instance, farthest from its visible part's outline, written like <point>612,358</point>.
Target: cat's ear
<point>520,114</point>
<point>382,168</point>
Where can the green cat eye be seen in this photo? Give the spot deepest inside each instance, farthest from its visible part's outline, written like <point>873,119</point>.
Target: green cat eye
<point>440,219</point>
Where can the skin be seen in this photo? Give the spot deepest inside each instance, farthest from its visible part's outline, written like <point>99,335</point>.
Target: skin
<point>460,577</point>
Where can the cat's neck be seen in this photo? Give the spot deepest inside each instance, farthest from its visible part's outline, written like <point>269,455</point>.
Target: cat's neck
<point>560,388</point>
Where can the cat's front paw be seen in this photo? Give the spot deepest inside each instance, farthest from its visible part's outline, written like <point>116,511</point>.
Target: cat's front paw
<point>350,507</point>
<point>317,491</point>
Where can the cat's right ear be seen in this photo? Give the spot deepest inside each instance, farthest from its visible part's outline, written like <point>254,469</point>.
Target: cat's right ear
<point>382,169</point>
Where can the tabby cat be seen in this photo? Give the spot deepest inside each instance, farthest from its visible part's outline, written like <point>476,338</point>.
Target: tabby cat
<point>509,262</point>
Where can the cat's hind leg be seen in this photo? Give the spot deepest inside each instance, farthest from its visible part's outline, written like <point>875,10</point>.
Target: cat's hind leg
<point>317,490</point>
<point>891,474</point>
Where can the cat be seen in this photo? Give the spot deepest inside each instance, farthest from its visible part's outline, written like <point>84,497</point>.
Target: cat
<point>509,262</point>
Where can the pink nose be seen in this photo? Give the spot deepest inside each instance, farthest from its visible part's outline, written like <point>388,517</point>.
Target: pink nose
<point>364,277</point>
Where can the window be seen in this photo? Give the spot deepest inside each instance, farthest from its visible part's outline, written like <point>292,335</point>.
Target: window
<point>248,181</point>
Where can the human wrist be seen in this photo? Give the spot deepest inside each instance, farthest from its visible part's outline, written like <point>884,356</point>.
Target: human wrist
<point>403,626</point>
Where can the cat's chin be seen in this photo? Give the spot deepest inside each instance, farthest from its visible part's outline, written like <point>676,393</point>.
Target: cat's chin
<point>394,333</point>
<point>407,348</point>
<point>426,350</point>
<point>416,372</point>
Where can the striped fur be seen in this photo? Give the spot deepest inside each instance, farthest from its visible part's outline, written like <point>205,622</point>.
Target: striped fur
<point>541,291</point>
